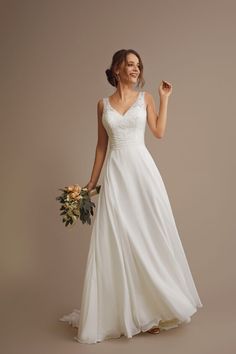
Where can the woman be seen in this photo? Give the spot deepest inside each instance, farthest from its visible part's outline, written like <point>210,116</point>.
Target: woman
<point>137,276</point>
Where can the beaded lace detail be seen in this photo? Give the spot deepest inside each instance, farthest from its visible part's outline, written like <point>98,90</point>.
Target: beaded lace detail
<point>139,102</point>
<point>125,129</point>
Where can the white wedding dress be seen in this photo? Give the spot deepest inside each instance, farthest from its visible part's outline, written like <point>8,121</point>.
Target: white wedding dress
<point>137,274</point>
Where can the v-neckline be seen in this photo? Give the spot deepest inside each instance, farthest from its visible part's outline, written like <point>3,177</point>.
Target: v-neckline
<point>122,115</point>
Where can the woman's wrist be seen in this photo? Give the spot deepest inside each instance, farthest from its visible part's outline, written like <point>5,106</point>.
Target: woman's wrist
<point>164,98</point>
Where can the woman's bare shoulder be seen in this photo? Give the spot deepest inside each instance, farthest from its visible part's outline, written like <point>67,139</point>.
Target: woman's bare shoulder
<point>100,106</point>
<point>147,97</point>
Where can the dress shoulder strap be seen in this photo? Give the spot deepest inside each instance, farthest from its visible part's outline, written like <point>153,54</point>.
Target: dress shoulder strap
<point>104,99</point>
<point>143,98</point>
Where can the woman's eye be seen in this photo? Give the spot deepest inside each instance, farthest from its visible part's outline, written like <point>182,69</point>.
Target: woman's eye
<point>132,65</point>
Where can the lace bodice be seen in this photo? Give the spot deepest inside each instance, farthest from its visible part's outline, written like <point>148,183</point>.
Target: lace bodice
<point>125,129</point>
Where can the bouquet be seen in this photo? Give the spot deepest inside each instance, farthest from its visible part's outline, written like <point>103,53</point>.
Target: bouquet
<point>76,204</point>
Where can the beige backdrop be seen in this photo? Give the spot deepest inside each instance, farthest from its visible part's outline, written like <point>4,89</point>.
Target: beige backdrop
<point>53,60</point>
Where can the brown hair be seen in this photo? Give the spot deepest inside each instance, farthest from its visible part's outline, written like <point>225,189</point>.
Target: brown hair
<point>117,59</point>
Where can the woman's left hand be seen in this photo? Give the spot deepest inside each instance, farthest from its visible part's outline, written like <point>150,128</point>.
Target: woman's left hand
<point>165,89</point>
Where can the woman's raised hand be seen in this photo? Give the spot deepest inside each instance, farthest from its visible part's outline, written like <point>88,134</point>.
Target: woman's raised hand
<point>165,89</point>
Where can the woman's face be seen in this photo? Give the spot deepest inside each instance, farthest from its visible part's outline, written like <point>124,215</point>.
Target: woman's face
<point>129,72</point>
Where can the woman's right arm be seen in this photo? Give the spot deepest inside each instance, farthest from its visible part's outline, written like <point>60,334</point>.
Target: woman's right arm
<point>101,148</point>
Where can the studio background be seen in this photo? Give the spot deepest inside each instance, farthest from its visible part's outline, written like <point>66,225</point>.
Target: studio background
<point>53,60</point>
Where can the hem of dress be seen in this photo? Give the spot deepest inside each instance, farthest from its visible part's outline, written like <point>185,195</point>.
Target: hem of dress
<point>175,323</point>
